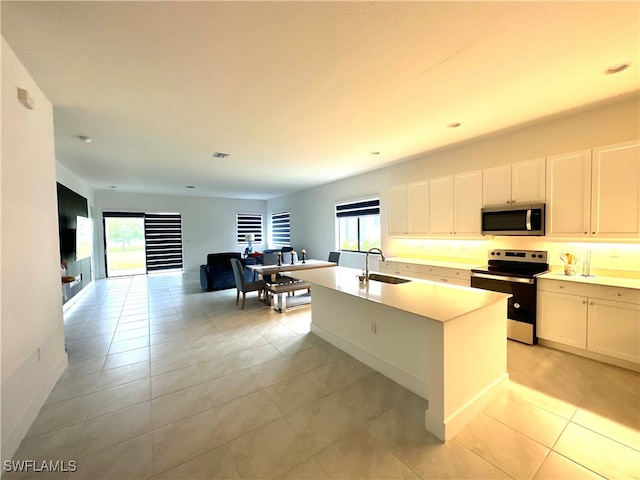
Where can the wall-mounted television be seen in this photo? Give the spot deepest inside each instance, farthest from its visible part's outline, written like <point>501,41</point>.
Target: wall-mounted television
<point>84,237</point>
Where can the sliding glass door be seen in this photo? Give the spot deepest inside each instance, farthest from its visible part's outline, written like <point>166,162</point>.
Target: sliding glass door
<point>125,245</point>
<point>139,243</point>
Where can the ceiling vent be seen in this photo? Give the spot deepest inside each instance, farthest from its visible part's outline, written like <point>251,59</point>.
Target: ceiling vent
<point>220,155</point>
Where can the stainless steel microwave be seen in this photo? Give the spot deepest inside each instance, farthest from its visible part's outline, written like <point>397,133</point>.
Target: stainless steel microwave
<point>523,219</point>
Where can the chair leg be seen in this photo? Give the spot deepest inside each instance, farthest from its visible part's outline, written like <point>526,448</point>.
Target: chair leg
<point>244,295</point>
<point>237,296</point>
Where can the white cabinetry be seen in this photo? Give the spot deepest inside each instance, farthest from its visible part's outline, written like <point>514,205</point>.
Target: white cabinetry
<point>514,183</point>
<point>595,193</point>
<point>562,318</point>
<point>398,215</point>
<point>615,191</point>
<point>409,209</point>
<point>455,276</point>
<point>594,318</point>
<point>455,203</point>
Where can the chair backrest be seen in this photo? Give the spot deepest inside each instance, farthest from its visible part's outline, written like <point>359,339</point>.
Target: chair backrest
<point>334,257</point>
<point>238,273</point>
<point>269,259</point>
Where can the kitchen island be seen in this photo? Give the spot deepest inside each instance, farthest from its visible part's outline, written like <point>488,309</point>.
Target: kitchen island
<point>446,343</point>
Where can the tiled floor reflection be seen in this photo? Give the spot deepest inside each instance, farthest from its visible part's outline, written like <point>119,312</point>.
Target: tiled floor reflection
<point>167,381</point>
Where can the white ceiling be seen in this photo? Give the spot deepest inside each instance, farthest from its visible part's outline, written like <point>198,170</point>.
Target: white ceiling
<point>302,93</point>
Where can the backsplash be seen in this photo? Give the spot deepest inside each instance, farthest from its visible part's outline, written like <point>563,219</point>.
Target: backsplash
<point>607,259</point>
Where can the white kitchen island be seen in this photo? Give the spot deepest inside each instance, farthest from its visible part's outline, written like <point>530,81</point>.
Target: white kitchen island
<point>446,343</point>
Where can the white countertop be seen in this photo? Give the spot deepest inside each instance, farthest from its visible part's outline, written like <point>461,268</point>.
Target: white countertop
<point>434,300</point>
<point>597,280</point>
<point>436,263</point>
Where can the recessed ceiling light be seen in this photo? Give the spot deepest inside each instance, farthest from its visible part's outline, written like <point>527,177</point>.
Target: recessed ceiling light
<point>84,138</point>
<point>616,68</point>
<point>191,186</point>
<point>220,155</point>
<point>454,125</point>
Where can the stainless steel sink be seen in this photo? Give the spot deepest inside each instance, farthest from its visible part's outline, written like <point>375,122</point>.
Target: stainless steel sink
<point>378,277</point>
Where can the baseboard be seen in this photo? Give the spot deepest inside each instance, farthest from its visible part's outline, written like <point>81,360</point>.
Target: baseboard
<point>592,355</point>
<point>401,377</point>
<point>26,390</point>
<point>455,422</point>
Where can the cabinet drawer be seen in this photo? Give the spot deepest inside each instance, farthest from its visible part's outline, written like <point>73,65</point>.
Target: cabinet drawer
<point>389,265</point>
<point>457,273</point>
<point>627,295</point>
<point>408,267</point>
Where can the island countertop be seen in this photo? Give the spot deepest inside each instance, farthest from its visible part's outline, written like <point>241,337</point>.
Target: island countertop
<point>434,300</point>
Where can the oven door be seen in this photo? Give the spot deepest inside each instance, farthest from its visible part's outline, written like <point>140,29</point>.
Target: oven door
<point>521,307</point>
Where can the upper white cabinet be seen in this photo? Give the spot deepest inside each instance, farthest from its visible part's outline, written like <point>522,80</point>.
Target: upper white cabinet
<point>398,213</point>
<point>441,205</point>
<point>409,209</point>
<point>418,199</point>
<point>594,193</point>
<point>615,191</point>
<point>455,203</point>
<point>514,183</point>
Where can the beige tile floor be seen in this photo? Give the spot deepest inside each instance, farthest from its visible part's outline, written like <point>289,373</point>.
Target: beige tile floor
<point>168,381</point>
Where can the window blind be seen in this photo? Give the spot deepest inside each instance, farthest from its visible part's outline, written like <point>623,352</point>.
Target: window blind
<point>281,228</point>
<point>249,223</point>
<point>358,209</point>
<point>163,239</point>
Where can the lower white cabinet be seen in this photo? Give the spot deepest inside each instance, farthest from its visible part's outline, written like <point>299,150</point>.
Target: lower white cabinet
<point>596,318</point>
<point>614,329</point>
<point>562,318</point>
<point>454,276</point>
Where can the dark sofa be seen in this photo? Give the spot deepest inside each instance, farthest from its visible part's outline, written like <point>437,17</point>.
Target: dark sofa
<point>217,274</point>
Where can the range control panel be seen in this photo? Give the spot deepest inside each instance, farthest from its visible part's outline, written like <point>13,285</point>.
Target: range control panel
<point>530,256</point>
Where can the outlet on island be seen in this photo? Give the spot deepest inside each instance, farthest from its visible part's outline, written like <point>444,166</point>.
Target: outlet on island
<point>373,327</point>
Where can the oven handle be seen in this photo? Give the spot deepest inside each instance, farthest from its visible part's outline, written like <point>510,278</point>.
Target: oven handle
<point>502,277</point>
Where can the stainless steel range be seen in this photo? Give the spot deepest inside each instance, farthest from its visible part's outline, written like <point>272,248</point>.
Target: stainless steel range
<point>514,272</point>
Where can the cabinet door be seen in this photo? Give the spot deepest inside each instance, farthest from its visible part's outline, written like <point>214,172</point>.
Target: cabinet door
<point>441,206</point>
<point>496,185</point>
<point>398,218</point>
<point>562,318</point>
<point>615,191</point>
<point>614,329</point>
<point>467,203</point>
<point>568,196</point>
<point>528,181</point>
<point>418,211</point>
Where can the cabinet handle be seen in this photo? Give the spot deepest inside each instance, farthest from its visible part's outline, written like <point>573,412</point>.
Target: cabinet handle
<point>584,302</point>
<point>586,233</point>
<point>619,294</point>
<point>593,233</point>
<point>590,303</point>
<point>560,287</point>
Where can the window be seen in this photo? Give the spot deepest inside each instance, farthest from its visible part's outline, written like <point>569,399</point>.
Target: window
<point>359,225</point>
<point>281,228</point>
<point>249,223</point>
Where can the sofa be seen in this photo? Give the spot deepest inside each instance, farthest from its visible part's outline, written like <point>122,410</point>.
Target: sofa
<point>217,274</point>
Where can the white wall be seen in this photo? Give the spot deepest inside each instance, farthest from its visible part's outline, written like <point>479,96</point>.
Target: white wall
<point>312,210</point>
<point>208,224</point>
<point>33,355</point>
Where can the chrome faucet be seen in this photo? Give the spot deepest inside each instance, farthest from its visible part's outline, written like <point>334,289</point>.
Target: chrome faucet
<point>366,261</point>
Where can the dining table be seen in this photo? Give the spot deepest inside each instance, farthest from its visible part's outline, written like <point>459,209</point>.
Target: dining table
<point>269,272</point>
